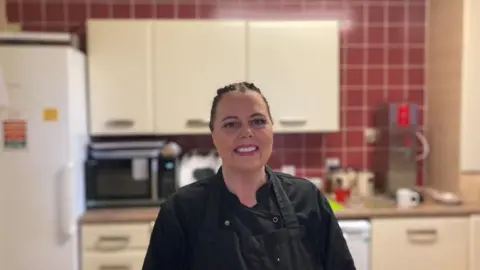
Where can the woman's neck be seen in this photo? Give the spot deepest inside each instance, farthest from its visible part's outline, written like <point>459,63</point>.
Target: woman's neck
<point>244,184</point>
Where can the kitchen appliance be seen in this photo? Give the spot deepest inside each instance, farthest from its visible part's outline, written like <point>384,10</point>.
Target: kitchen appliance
<point>43,134</point>
<point>399,147</point>
<point>195,166</point>
<point>357,233</point>
<point>120,174</point>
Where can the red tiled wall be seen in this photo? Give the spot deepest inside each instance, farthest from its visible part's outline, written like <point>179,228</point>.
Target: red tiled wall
<point>382,56</point>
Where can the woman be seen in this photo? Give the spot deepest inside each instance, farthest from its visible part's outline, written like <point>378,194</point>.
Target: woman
<point>246,217</point>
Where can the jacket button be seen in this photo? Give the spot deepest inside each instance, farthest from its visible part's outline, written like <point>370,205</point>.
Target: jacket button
<point>227,223</point>
<point>275,219</point>
<point>278,259</point>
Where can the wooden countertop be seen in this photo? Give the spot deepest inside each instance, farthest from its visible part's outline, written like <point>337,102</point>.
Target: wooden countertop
<point>385,210</point>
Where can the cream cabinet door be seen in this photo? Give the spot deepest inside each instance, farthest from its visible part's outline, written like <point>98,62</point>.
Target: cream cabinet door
<point>192,59</point>
<point>120,260</point>
<point>475,244</point>
<point>296,65</point>
<point>420,243</point>
<point>120,76</point>
<point>470,97</point>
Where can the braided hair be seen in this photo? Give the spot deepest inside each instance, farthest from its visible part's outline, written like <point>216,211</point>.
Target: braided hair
<point>234,87</point>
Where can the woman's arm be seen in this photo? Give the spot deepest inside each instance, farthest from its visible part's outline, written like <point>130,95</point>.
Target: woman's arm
<point>332,247</point>
<point>166,250</point>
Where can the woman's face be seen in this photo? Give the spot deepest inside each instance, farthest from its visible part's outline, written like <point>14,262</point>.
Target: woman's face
<point>242,131</point>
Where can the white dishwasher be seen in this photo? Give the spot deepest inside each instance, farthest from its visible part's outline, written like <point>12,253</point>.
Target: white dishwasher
<point>358,235</point>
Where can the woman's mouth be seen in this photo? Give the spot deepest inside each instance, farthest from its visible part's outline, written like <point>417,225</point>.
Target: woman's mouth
<point>246,150</point>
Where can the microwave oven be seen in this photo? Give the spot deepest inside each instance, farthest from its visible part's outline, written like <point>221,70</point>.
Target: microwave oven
<point>124,174</point>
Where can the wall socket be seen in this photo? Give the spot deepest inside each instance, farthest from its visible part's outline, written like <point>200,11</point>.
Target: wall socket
<point>332,163</point>
<point>370,135</point>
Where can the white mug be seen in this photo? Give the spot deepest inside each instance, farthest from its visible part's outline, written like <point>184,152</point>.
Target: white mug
<point>407,198</point>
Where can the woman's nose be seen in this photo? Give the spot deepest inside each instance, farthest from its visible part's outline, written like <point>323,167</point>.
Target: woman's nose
<point>246,132</point>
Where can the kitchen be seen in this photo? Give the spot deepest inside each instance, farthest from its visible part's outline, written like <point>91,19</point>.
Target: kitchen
<point>383,47</point>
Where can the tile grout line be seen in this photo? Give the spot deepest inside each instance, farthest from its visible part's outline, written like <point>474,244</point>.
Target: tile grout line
<point>381,45</point>
<point>376,66</point>
<point>365,87</point>
<point>110,9</point>
<point>324,135</point>
<point>334,149</point>
<point>20,10</point>
<point>132,8</point>
<point>88,12</point>
<point>43,14</point>
<point>196,6</point>
<point>67,15</point>
<point>303,137</point>
<point>424,93</point>
<point>406,58</point>
<point>386,52</point>
<point>343,102</point>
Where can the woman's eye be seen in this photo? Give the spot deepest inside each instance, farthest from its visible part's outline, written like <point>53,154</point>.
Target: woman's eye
<point>229,125</point>
<point>259,122</point>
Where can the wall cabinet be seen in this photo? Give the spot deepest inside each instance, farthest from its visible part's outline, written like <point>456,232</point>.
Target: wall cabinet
<point>191,61</point>
<point>175,66</point>
<point>296,65</point>
<point>470,96</point>
<point>120,76</point>
<point>420,243</point>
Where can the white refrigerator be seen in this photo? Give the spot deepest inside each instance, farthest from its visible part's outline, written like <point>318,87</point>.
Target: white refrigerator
<point>43,133</point>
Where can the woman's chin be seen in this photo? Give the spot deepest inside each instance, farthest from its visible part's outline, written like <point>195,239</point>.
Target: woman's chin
<point>248,164</point>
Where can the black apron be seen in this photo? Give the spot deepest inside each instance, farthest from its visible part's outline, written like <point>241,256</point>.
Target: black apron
<point>221,248</point>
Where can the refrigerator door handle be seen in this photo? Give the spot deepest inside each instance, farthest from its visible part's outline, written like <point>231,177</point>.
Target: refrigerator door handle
<point>66,217</point>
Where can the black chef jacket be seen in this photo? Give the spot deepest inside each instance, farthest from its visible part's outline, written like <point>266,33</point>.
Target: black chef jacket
<point>178,225</point>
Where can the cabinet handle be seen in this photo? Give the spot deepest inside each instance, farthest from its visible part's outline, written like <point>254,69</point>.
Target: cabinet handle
<point>197,123</point>
<point>422,236</point>
<point>114,238</point>
<point>292,121</point>
<point>114,267</point>
<point>120,123</point>
<point>112,242</point>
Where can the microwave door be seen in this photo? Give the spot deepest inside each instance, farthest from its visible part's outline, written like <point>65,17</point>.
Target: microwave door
<point>125,154</point>
<point>120,175</point>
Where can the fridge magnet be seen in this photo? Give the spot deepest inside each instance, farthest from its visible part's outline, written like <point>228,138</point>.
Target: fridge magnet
<point>50,115</point>
<point>14,134</point>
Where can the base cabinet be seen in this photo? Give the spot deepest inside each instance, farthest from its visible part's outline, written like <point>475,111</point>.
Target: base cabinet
<point>114,246</point>
<point>440,243</point>
<point>421,243</point>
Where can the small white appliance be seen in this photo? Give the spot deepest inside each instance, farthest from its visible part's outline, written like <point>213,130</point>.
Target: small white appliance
<point>195,166</point>
<point>357,233</point>
<point>43,135</point>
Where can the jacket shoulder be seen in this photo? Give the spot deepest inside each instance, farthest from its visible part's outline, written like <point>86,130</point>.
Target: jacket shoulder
<point>191,197</point>
<point>301,192</point>
<point>295,183</point>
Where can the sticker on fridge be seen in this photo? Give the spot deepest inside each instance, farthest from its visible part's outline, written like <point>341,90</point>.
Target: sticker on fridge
<point>50,115</point>
<point>14,134</point>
